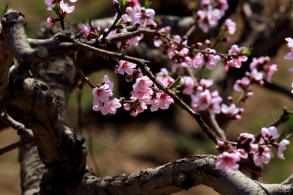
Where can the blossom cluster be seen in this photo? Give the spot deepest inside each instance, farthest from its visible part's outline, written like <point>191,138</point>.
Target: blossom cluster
<point>258,67</point>
<point>102,100</point>
<point>144,91</point>
<point>90,28</point>
<point>60,8</point>
<point>289,56</point>
<point>246,145</point>
<point>178,51</point>
<point>210,13</point>
<point>201,97</point>
<point>133,14</point>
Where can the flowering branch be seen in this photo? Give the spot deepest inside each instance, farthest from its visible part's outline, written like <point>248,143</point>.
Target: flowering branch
<point>182,104</point>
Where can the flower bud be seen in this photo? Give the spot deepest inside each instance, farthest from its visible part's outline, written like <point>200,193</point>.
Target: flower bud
<point>128,78</point>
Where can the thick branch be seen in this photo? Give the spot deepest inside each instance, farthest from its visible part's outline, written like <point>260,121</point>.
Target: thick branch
<point>180,175</point>
<point>14,28</point>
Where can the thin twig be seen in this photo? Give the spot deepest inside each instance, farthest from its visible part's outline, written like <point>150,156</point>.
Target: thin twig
<point>80,72</point>
<point>14,146</point>
<point>27,133</point>
<point>109,54</point>
<point>183,105</point>
<point>119,15</point>
<point>82,121</point>
<point>281,120</point>
<point>220,132</point>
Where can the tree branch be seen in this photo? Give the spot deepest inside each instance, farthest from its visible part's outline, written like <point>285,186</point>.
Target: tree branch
<point>177,176</point>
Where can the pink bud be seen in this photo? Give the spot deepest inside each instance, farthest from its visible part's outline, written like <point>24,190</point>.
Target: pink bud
<point>128,78</point>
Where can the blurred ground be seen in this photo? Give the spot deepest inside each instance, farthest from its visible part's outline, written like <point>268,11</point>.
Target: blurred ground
<point>139,145</point>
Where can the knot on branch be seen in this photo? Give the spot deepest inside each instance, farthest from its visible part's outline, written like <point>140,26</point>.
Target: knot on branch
<point>63,36</point>
<point>13,17</point>
<point>185,180</point>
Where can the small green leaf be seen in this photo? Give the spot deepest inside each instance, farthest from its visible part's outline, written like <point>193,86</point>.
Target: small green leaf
<point>245,52</point>
<point>222,33</point>
<point>288,135</point>
<point>176,84</point>
<point>123,4</point>
<point>57,10</point>
<point>147,4</point>
<point>282,136</point>
<point>176,91</point>
<point>4,9</point>
<point>90,23</point>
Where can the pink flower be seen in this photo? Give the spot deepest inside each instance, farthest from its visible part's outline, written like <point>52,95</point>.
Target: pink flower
<point>135,107</point>
<point>228,161</point>
<point>102,94</point>
<point>126,67</point>
<point>246,142</point>
<point>215,103</point>
<point>198,61</point>
<point>232,111</point>
<point>235,60</point>
<point>222,6</point>
<point>201,100</point>
<point>85,29</point>
<point>115,2</point>
<point>282,146</point>
<point>269,134</point>
<point>230,26</point>
<point>145,18</point>
<point>102,101</point>
<point>205,3</point>
<point>289,55</point>
<point>142,90</point>
<point>108,82</point>
<point>161,101</point>
<point>255,75</point>
<point>188,82</point>
<point>135,40</point>
<point>50,4</point>
<point>242,85</point>
<point>109,106</point>
<point>134,4</point>
<point>263,155</point>
<point>157,41</point>
<point>212,61</point>
<point>206,83</point>
<point>142,84</point>
<point>208,19</point>
<point>181,58</point>
<point>270,70</point>
<point>220,145</point>
<point>65,8</point>
<point>257,63</point>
